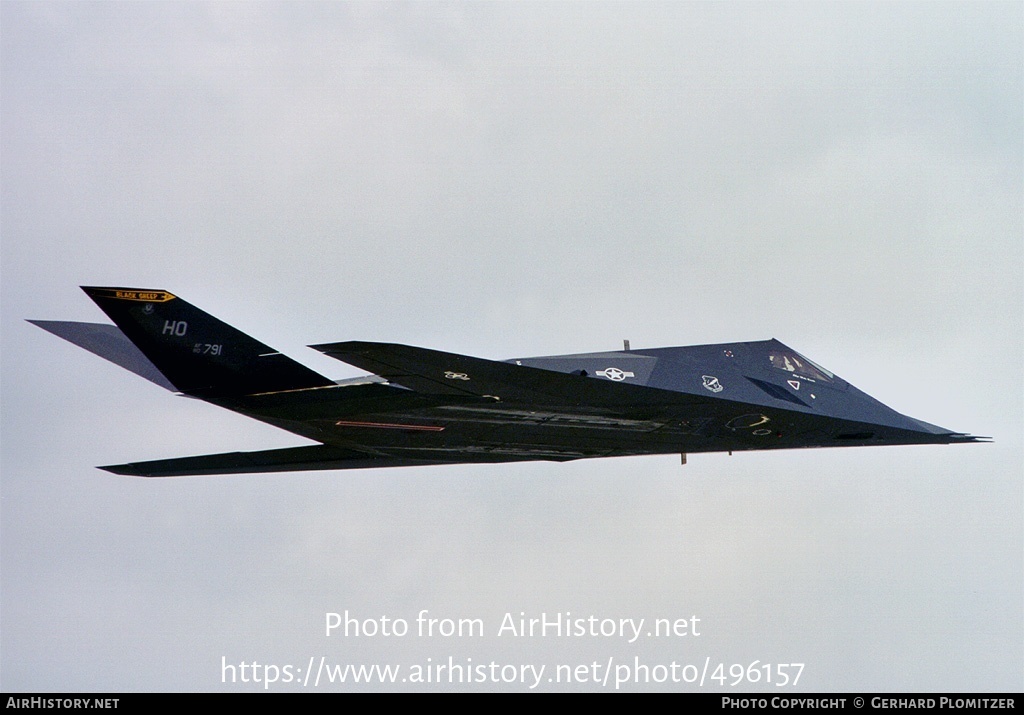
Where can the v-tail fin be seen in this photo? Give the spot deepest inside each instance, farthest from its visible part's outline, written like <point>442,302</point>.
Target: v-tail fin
<point>109,343</point>
<point>199,355</point>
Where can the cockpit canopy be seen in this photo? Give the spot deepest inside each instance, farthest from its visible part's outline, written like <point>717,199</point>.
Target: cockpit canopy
<point>799,366</point>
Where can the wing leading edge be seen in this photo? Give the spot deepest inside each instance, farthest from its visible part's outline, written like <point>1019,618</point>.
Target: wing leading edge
<point>291,459</point>
<point>440,373</point>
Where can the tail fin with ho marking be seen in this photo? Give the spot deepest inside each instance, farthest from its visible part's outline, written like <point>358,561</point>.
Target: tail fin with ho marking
<point>199,355</point>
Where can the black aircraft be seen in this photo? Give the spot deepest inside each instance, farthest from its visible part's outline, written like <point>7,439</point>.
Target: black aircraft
<point>424,407</point>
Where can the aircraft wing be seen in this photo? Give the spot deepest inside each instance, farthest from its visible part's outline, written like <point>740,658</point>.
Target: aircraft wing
<point>290,459</point>
<point>440,373</point>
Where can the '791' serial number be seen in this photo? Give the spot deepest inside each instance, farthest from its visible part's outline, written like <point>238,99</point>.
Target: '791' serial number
<point>207,349</point>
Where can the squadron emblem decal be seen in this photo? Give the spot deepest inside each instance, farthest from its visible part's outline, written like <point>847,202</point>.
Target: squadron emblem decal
<point>711,383</point>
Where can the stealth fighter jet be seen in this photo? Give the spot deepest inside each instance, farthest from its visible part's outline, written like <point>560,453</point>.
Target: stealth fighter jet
<point>423,407</point>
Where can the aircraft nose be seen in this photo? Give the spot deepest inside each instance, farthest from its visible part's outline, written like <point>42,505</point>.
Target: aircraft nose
<point>922,426</point>
<point>947,436</point>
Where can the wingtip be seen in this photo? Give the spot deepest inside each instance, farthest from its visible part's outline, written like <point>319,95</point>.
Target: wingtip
<point>345,346</point>
<point>125,470</point>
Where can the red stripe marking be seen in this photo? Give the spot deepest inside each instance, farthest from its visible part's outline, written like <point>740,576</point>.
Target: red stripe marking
<point>386,425</point>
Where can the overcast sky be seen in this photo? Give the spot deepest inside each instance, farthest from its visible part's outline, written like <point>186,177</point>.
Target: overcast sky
<point>510,179</point>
